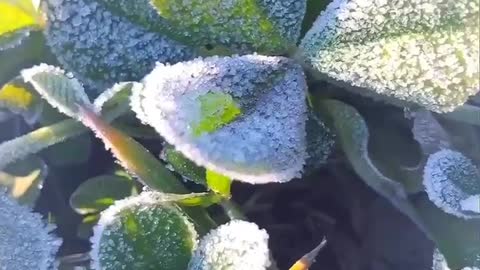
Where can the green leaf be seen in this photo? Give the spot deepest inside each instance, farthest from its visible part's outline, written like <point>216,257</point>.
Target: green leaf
<point>97,55</point>
<point>182,165</point>
<point>27,49</point>
<point>219,183</point>
<point>16,14</point>
<point>423,53</point>
<point>24,180</point>
<point>44,137</point>
<point>353,135</point>
<point>17,98</point>
<point>60,90</point>
<point>457,239</point>
<point>98,193</point>
<point>143,232</point>
<point>258,25</point>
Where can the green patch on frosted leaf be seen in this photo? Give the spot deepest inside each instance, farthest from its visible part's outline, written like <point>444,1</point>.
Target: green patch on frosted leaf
<point>143,232</point>
<point>216,110</point>
<point>261,25</point>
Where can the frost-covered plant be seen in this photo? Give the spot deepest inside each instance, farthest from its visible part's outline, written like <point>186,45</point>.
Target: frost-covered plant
<point>27,241</point>
<point>230,86</point>
<point>235,245</point>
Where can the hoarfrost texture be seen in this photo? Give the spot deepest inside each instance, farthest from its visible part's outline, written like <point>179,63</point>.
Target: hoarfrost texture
<point>265,143</point>
<point>142,232</point>
<point>439,262</point>
<point>245,25</point>
<point>101,48</point>
<point>236,245</point>
<point>418,51</point>
<point>26,241</point>
<point>451,180</point>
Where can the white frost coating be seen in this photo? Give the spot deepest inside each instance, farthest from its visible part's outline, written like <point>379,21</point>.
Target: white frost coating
<point>450,178</point>
<point>237,245</point>
<point>439,262</point>
<point>26,241</point>
<point>266,143</point>
<point>245,25</point>
<point>150,210</point>
<point>14,39</point>
<point>101,48</point>
<point>60,90</point>
<point>471,204</point>
<point>421,51</point>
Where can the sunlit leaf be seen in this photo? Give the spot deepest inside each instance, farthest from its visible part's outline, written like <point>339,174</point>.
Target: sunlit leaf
<point>24,180</point>
<point>98,193</point>
<point>219,183</point>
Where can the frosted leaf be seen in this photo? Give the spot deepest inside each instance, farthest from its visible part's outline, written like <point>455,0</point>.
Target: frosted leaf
<point>439,262</point>
<point>61,90</point>
<point>236,245</point>
<point>450,179</point>
<point>320,142</point>
<point>14,39</point>
<point>266,142</point>
<point>142,232</point>
<point>101,48</point>
<point>419,51</point>
<point>471,204</point>
<point>246,25</point>
<point>26,241</point>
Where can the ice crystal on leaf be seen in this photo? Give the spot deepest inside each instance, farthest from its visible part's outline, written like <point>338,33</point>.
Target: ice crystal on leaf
<point>245,25</point>
<point>452,182</point>
<point>143,232</point>
<point>26,241</point>
<point>419,51</point>
<point>263,141</point>
<point>439,262</point>
<point>236,245</point>
<point>101,48</point>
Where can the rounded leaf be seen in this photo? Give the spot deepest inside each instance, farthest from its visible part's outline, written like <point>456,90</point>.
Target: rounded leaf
<point>236,245</point>
<point>243,117</point>
<point>101,48</point>
<point>26,240</point>
<point>424,52</point>
<point>450,180</point>
<point>143,232</point>
<point>244,25</point>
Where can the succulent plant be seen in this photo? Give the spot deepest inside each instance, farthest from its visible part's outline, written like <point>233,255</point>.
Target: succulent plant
<point>231,91</point>
<point>27,241</point>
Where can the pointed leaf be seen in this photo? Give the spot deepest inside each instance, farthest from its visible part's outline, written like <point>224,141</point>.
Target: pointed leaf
<point>24,180</point>
<point>182,165</point>
<point>261,137</point>
<point>98,193</point>
<point>60,90</point>
<point>423,52</point>
<point>102,48</point>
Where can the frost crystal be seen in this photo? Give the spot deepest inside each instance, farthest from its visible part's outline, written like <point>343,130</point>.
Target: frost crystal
<point>101,48</point>
<point>266,142</point>
<point>236,245</point>
<point>439,262</point>
<point>142,232</point>
<point>25,239</point>
<point>450,180</point>
<point>258,25</point>
<point>420,51</point>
